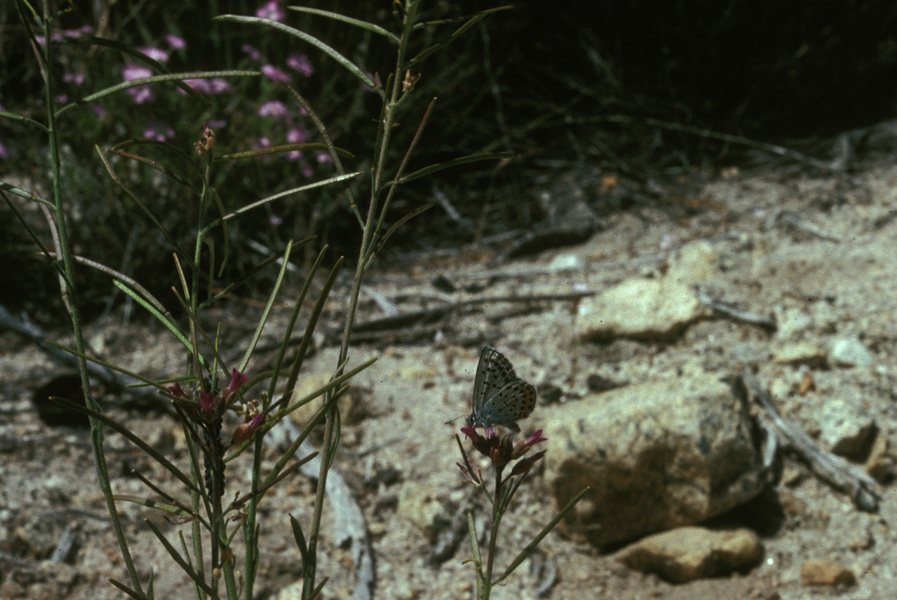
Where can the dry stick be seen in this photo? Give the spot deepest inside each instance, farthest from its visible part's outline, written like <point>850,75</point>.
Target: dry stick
<point>431,314</point>
<point>36,334</point>
<point>730,311</point>
<point>796,222</point>
<point>727,137</point>
<point>835,470</point>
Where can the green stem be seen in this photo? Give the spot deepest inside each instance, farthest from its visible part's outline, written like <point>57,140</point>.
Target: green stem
<point>70,298</point>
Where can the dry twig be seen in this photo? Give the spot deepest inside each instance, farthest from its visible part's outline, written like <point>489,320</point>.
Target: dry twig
<point>833,469</point>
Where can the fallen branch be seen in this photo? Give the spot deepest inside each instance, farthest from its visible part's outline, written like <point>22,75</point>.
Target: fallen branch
<point>729,310</point>
<point>833,469</point>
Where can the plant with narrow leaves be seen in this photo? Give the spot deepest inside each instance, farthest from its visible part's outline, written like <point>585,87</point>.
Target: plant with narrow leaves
<point>502,452</point>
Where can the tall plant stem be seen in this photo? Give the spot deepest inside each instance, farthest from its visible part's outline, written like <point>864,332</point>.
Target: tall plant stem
<point>331,436</point>
<point>70,298</point>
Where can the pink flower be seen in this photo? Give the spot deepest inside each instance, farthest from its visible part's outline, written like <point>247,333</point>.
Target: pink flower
<point>297,135</point>
<point>237,380</point>
<point>246,430</point>
<point>142,94</point>
<point>300,64</point>
<point>175,42</point>
<point>276,110</point>
<point>271,10</point>
<point>207,401</point>
<point>156,130</point>
<point>275,74</point>
<point>219,86</point>
<point>73,78</point>
<point>198,85</point>
<point>155,54</point>
<point>132,72</point>
<point>251,52</point>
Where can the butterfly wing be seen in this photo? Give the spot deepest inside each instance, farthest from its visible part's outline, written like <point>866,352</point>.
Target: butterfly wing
<point>499,396</point>
<point>512,402</point>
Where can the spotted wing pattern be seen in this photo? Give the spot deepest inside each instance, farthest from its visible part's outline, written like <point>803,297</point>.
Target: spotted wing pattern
<point>499,396</point>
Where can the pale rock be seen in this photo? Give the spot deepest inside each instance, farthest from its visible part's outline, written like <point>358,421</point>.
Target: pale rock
<point>352,404</point>
<point>880,464</point>
<point>825,572</point>
<point>694,263</point>
<point>647,309</point>
<point>690,553</point>
<point>846,429</point>
<point>850,352</point>
<point>418,504</point>
<point>791,323</point>
<point>799,353</point>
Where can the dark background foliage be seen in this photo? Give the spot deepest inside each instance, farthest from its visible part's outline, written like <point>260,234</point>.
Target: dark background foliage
<point>582,87</point>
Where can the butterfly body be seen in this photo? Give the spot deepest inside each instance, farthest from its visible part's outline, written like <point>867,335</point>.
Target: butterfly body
<point>499,396</point>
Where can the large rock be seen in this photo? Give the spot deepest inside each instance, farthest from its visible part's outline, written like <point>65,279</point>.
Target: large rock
<point>655,455</point>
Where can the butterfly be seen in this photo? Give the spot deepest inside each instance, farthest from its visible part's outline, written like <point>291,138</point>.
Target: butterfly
<point>499,396</point>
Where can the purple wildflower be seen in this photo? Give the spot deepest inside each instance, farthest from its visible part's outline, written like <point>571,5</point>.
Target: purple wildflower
<point>276,110</point>
<point>176,43</point>
<point>54,37</point>
<point>73,78</point>
<point>142,94</point>
<point>246,430</point>
<point>156,130</point>
<point>300,64</point>
<point>275,74</point>
<point>207,401</point>
<point>198,85</point>
<point>219,86</point>
<point>237,380</point>
<point>271,10</point>
<point>252,52</point>
<point>297,135</point>
<point>76,33</point>
<point>4,152</point>
<point>155,53</point>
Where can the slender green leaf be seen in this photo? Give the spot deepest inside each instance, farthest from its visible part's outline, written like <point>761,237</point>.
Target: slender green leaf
<point>15,117</point>
<point>159,79</point>
<point>300,539</point>
<point>23,194</point>
<point>281,148</point>
<point>132,437</point>
<point>342,60</point>
<point>372,27</point>
<point>132,593</point>
<point>173,552</point>
<point>463,160</point>
<point>265,313</point>
<point>522,556</point>
<point>279,195</point>
<point>156,505</point>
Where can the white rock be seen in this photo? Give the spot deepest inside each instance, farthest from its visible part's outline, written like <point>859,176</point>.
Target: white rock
<point>850,352</point>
